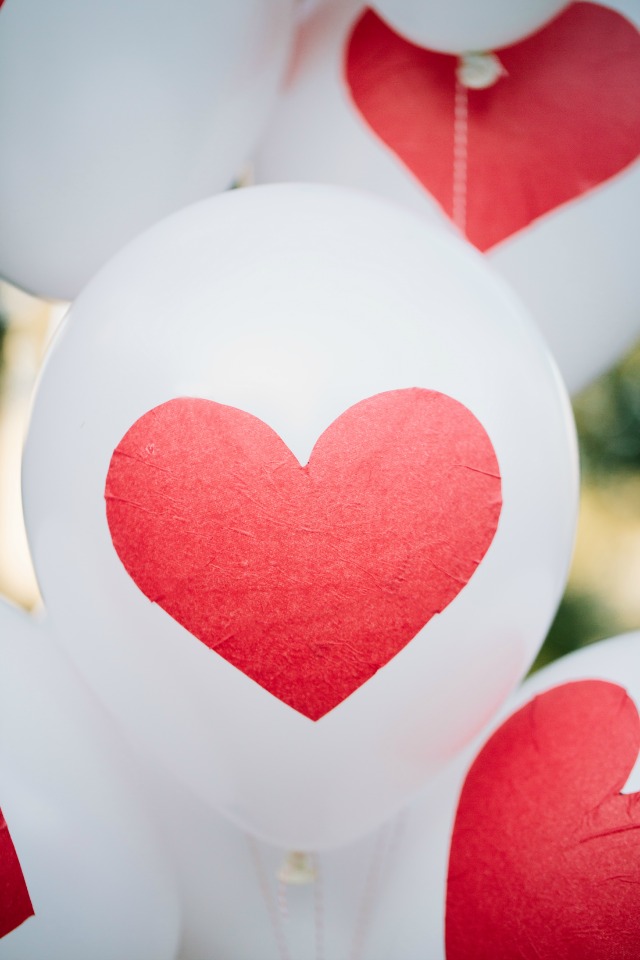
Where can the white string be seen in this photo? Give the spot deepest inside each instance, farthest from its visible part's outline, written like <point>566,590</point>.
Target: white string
<point>381,858</point>
<point>282,901</point>
<point>276,922</point>
<point>318,893</point>
<point>366,904</point>
<point>383,851</point>
<point>460,156</point>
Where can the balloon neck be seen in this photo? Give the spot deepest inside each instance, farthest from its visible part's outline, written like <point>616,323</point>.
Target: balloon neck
<point>297,869</point>
<point>478,70</point>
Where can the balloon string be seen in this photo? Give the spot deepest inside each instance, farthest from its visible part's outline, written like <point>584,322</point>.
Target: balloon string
<point>366,904</point>
<point>460,156</point>
<point>383,853</point>
<point>318,894</point>
<point>274,916</point>
<point>282,901</point>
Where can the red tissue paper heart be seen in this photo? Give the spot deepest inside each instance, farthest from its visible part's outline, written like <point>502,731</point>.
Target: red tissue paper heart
<point>15,902</point>
<point>545,856</point>
<point>564,118</point>
<point>309,578</point>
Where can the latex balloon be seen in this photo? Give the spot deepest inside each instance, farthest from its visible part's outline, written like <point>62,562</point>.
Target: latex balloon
<point>291,668</point>
<point>557,821</point>
<point>114,115</point>
<point>508,165</point>
<point>96,881</point>
<point>465,25</point>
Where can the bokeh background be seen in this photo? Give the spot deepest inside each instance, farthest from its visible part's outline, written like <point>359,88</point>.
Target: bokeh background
<point>603,592</point>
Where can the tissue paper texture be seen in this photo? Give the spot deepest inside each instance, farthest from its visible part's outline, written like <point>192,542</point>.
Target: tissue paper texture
<point>545,857</point>
<point>309,578</point>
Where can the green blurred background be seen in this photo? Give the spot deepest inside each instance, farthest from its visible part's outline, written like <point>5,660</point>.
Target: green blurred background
<point>602,597</point>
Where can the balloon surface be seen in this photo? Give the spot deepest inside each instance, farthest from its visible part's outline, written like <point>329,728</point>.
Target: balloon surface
<point>290,305</point>
<point>462,25</point>
<point>544,859</point>
<point>539,170</point>
<point>95,878</point>
<point>115,115</point>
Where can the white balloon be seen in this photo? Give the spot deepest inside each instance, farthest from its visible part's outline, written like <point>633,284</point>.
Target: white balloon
<point>423,859</point>
<point>614,661</point>
<point>293,303</point>
<point>99,885</point>
<point>574,268</point>
<point>462,25</point>
<point>115,115</point>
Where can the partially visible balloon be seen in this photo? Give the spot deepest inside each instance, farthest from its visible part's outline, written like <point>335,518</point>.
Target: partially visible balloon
<point>539,169</point>
<point>191,379</point>
<point>98,884</point>
<point>115,115</point>
<point>544,861</point>
<point>467,25</point>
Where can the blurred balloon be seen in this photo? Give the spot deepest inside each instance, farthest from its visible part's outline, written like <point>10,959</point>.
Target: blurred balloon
<point>539,169</point>
<point>294,303</point>
<point>98,883</point>
<point>114,115</point>
<point>463,25</point>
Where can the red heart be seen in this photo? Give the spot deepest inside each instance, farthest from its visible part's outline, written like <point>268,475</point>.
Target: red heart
<point>308,579</point>
<point>545,856</point>
<point>15,902</point>
<point>564,119</point>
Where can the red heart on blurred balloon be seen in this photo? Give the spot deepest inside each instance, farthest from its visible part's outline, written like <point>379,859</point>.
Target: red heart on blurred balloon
<point>306,578</point>
<point>545,856</point>
<point>564,118</point>
<point>15,902</point>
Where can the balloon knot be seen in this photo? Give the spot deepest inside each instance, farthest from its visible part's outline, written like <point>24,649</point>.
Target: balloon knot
<point>297,869</point>
<point>478,70</point>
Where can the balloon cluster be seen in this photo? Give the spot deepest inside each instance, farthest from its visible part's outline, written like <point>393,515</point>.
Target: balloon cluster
<point>300,480</point>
